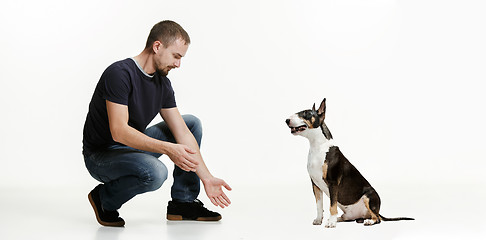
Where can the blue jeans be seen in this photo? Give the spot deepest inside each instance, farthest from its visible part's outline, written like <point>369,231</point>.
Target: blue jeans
<point>127,172</point>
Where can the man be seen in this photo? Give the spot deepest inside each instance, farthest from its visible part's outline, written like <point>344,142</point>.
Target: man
<point>122,154</point>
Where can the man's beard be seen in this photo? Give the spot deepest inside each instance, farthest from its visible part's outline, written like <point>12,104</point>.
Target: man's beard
<point>164,71</point>
<point>161,69</point>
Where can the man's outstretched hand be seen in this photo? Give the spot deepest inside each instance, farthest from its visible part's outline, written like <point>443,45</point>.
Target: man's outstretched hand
<point>213,187</point>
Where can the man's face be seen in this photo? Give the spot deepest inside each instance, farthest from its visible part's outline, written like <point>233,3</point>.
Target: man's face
<point>168,58</point>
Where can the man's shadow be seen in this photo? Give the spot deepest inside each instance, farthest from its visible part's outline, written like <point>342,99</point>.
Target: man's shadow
<point>108,233</point>
<point>190,229</point>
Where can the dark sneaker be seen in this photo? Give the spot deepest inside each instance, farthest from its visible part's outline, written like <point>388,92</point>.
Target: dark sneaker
<point>177,211</point>
<point>105,218</point>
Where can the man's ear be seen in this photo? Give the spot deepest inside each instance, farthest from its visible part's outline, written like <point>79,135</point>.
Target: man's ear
<point>156,46</point>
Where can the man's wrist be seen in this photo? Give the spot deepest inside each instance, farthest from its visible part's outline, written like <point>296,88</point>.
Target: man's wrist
<point>205,177</point>
<point>163,147</point>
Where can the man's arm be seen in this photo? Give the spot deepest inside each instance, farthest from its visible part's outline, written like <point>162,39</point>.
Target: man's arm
<point>123,133</point>
<point>212,186</point>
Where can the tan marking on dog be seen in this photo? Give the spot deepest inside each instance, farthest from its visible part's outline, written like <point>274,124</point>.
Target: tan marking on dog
<point>317,192</point>
<point>370,214</point>
<point>324,171</point>
<point>309,123</point>
<point>333,210</point>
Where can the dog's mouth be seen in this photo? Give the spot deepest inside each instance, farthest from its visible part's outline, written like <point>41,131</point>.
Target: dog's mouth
<point>298,129</point>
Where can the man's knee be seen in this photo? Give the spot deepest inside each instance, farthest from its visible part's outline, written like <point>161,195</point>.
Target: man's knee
<point>192,121</point>
<point>195,126</point>
<point>154,177</point>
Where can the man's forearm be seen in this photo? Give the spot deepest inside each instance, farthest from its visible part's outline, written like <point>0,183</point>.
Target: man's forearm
<point>133,138</point>
<point>123,133</point>
<point>202,170</point>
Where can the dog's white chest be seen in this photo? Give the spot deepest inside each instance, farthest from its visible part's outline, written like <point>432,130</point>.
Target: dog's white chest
<point>315,161</point>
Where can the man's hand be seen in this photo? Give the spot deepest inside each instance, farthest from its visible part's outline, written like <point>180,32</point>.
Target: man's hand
<point>213,187</point>
<point>182,157</point>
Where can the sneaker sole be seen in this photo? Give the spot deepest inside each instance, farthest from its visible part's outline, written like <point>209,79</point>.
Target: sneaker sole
<point>204,219</point>
<point>108,224</point>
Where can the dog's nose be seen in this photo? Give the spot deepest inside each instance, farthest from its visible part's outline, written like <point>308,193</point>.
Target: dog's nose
<point>287,121</point>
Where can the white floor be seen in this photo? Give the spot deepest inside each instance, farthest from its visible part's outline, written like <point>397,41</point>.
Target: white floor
<point>257,212</point>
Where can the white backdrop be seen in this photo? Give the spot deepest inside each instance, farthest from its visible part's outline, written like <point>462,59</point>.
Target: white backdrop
<point>404,83</point>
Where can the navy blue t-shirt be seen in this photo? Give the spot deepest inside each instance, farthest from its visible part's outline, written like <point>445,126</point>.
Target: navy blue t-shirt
<point>125,83</point>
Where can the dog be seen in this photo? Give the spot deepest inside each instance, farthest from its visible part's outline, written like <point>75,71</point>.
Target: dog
<point>333,174</point>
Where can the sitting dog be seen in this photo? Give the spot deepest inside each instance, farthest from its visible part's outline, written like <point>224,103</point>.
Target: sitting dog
<point>334,175</point>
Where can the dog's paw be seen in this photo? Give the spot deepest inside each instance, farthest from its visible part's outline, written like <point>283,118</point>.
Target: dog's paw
<point>317,221</point>
<point>369,222</point>
<point>331,222</point>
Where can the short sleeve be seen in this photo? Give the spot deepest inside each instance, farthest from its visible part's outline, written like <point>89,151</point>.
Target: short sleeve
<point>168,100</point>
<point>117,85</point>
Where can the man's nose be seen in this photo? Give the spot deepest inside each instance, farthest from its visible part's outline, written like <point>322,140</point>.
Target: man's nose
<point>177,64</point>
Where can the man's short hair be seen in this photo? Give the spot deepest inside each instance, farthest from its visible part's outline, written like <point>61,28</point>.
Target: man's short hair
<point>167,32</point>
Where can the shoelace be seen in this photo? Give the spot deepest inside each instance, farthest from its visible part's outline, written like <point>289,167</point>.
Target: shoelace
<point>198,202</point>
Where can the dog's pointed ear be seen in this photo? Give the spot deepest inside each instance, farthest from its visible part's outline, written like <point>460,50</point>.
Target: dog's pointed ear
<point>322,109</point>
<point>314,107</point>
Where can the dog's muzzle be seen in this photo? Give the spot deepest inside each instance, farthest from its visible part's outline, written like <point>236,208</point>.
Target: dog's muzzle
<point>298,129</point>
<point>295,129</point>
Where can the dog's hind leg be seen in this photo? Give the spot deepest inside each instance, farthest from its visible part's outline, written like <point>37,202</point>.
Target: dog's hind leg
<point>319,204</point>
<point>372,203</point>
<point>360,220</point>
<point>341,219</point>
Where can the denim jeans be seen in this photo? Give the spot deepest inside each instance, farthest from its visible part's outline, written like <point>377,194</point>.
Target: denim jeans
<point>127,172</point>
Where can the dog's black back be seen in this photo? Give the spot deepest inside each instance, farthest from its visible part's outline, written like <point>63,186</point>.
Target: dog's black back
<point>342,173</point>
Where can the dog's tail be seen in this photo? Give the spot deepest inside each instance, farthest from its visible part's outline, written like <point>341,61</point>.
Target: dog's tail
<point>395,219</point>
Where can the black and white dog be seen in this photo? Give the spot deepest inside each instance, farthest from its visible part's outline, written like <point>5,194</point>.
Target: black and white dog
<point>334,175</point>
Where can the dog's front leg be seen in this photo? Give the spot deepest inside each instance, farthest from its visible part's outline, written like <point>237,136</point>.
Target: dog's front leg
<point>333,194</point>
<point>319,204</point>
